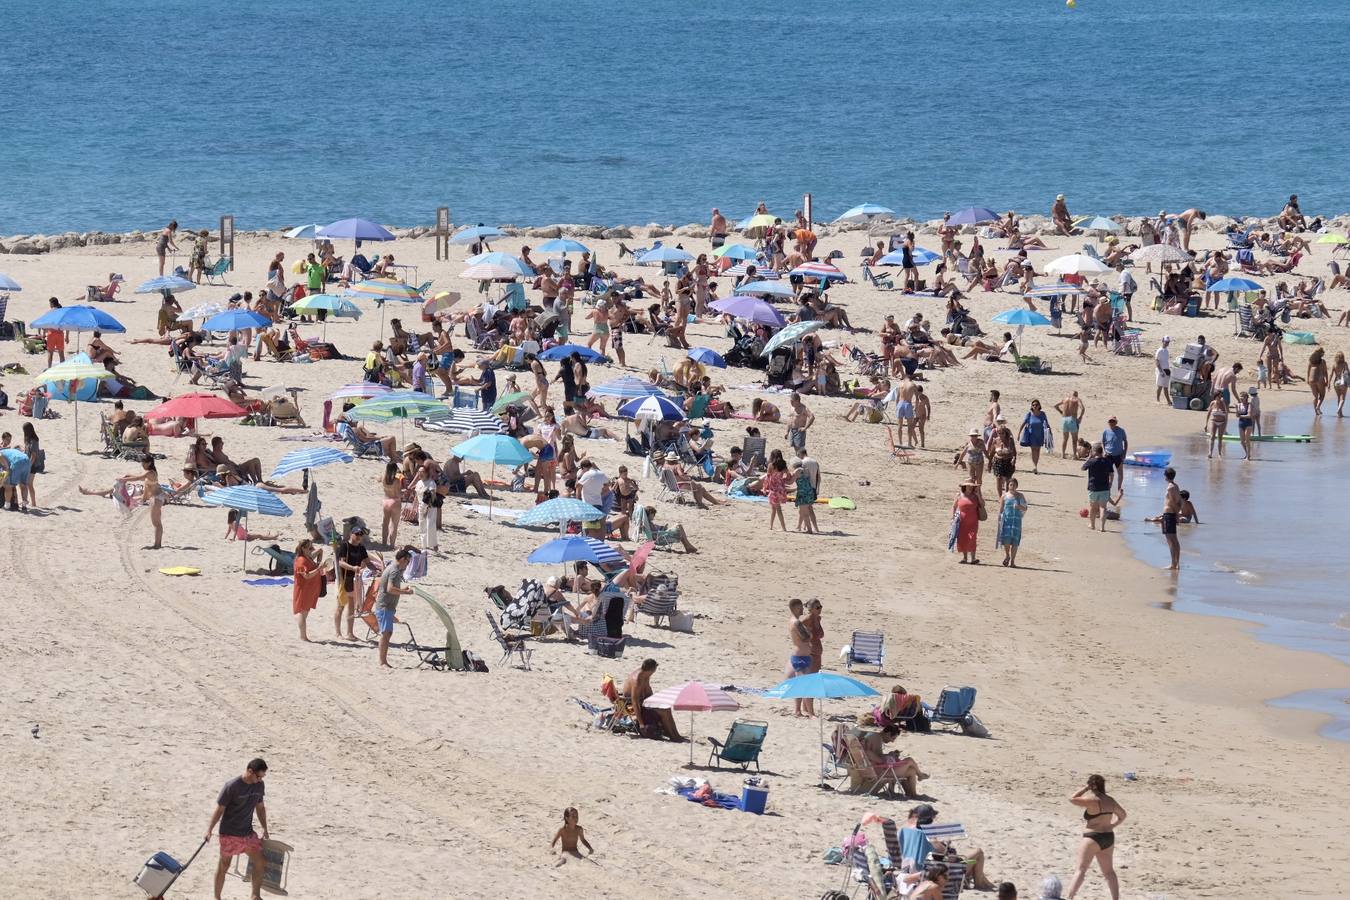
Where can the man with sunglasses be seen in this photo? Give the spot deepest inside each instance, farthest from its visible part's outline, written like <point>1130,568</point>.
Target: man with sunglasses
<point>235,806</point>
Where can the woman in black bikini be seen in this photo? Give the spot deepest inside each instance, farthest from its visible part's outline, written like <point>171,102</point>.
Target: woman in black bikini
<point>1101,816</point>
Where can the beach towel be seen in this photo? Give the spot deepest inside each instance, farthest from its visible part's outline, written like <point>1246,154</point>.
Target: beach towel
<point>267,582</point>
<point>736,491</point>
<point>955,529</point>
<point>706,796</point>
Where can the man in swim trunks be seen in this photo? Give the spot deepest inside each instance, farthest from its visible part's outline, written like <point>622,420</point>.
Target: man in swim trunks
<point>799,661</point>
<point>1072,408</point>
<point>801,419</point>
<point>717,229</point>
<point>1225,382</point>
<point>905,391</point>
<point>652,723</point>
<point>1168,521</point>
<point>1115,444</point>
<point>238,801</point>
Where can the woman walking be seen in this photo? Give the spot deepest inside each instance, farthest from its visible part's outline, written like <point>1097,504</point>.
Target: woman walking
<point>1002,453</point>
<point>1035,433</point>
<point>805,499</point>
<point>1340,381</point>
<point>1245,422</point>
<point>775,488</point>
<point>153,497</point>
<point>1014,504</point>
<point>972,456</point>
<point>309,580</point>
<point>967,512</point>
<point>1101,816</point>
<point>392,485</point>
<point>1317,378</point>
<point>1216,423</point>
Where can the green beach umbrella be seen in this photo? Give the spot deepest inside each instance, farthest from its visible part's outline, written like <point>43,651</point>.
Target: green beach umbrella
<point>505,401</point>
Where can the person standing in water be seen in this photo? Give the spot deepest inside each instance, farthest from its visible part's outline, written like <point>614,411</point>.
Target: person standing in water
<point>1168,520</point>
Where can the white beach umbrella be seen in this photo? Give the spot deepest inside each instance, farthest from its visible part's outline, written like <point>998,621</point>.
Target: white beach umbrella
<point>1077,264</point>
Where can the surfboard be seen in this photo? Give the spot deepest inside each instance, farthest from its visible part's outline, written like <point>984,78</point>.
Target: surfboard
<point>1276,438</point>
<point>180,570</point>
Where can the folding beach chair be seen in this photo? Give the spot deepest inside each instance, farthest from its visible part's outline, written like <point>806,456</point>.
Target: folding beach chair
<point>217,270</point>
<point>510,643</point>
<point>880,282</point>
<point>662,599</point>
<point>867,648</point>
<point>279,562</point>
<point>954,707</point>
<point>359,447</point>
<point>897,452</point>
<point>672,488</point>
<point>752,453</point>
<point>742,745</point>
<point>864,776</point>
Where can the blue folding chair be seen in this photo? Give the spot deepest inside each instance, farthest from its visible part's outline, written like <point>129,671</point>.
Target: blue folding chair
<point>955,706</point>
<point>867,648</point>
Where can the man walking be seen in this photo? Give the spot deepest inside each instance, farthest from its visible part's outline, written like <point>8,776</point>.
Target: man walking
<point>802,419</point>
<point>234,812</point>
<point>1115,444</point>
<point>1162,366</point>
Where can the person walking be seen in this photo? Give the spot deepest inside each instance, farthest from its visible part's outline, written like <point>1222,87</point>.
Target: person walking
<point>1035,434</point>
<point>967,511</point>
<point>1115,445</point>
<point>1013,505</point>
<point>386,600</point>
<point>1101,816</point>
<point>235,806</point>
<point>309,581</point>
<point>1099,468</point>
<point>1162,371</point>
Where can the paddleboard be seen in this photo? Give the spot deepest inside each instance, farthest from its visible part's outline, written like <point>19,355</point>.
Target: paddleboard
<point>1276,438</point>
<point>179,570</point>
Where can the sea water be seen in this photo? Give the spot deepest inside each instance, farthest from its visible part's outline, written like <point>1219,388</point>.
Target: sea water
<point>1272,546</point>
<point>120,114</point>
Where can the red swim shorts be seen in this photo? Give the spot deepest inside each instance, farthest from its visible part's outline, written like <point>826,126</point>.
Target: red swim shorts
<point>233,845</point>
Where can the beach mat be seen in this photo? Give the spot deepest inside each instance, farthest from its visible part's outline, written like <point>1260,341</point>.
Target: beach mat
<point>280,581</point>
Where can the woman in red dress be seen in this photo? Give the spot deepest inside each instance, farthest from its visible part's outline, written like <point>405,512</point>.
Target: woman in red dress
<point>309,577</point>
<point>966,520</point>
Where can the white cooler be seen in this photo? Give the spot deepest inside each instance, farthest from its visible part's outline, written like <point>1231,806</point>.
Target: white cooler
<point>158,873</point>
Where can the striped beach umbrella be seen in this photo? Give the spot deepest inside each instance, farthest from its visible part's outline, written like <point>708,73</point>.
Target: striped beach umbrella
<point>309,458</point>
<point>1058,289</point>
<point>656,408</point>
<point>384,289</point>
<point>791,334</point>
<point>626,387</point>
<point>764,289</point>
<point>329,303</point>
<point>247,499</point>
<point>821,270</point>
<point>921,257</point>
<point>202,311</point>
<point>362,390</point>
<point>575,548</point>
<point>694,696</point>
<point>472,421</point>
<point>69,373</point>
<point>386,408</point>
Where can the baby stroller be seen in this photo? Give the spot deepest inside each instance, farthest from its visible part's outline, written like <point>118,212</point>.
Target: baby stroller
<point>780,366</point>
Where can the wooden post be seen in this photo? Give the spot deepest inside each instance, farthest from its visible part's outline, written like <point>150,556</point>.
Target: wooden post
<point>227,238</point>
<point>442,231</point>
<point>806,209</point>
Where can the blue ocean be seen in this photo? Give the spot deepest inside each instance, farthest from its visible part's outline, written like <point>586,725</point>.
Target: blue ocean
<point>121,114</point>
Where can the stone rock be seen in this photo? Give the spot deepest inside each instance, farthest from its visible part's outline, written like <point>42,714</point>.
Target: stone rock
<point>584,231</point>
<point>3,249</point>
<point>100,238</point>
<point>419,231</point>
<point>692,230</point>
<point>546,232</point>
<point>619,233</point>
<point>135,237</point>
<point>69,239</point>
<point>655,231</point>
<point>30,247</point>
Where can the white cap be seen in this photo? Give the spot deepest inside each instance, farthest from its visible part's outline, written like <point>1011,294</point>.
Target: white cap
<point>1167,339</point>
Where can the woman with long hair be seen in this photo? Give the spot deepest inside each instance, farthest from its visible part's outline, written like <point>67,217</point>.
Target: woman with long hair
<point>1340,381</point>
<point>309,577</point>
<point>1101,816</point>
<point>391,483</point>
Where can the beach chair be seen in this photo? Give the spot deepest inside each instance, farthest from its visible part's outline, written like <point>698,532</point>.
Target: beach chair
<point>450,655</point>
<point>1090,251</point>
<point>880,282</point>
<point>867,648</point>
<point>1032,365</point>
<point>510,643</point>
<point>897,451</point>
<point>662,599</point>
<point>954,707</point>
<point>742,745</point>
<point>279,562</point>
<point>217,270</point>
<point>359,447</point>
<point>864,777</point>
<point>672,488</point>
<point>600,717</point>
<point>752,453</point>
<point>699,408</point>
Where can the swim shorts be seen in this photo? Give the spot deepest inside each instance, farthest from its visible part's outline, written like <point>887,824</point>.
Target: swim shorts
<point>800,664</point>
<point>1117,459</point>
<point>904,410</point>
<point>1169,523</point>
<point>1099,497</point>
<point>1069,424</point>
<point>797,437</point>
<point>385,619</point>
<point>547,453</point>
<point>234,845</point>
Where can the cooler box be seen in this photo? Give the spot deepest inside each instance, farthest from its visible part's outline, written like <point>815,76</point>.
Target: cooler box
<point>754,797</point>
<point>158,873</point>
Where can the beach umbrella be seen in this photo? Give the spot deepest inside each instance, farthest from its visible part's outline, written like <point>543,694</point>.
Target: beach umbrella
<point>490,272</point>
<point>756,225</point>
<point>1331,238</point>
<point>170,283</point>
<point>735,251</point>
<point>640,555</point>
<point>1234,285</point>
<point>664,254</point>
<point>309,458</point>
<point>472,421</point>
<point>304,232</point>
<point>973,215</point>
<point>559,511</point>
<point>1077,264</point>
<point>329,303</point>
<point>626,387</point>
<point>752,309</point>
<point>765,289</point>
<point>563,246</point>
<point>575,548</point>
<point>821,270</point>
<point>791,334</point>
<point>494,449</point>
<point>1160,253</point>
<point>476,234</point>
<point>921,257</point>
<point>202,310</point>
<point>654,408</point>
<point>247,498</point>
<point>383,290</point>
<point>74,370</point>
<point>707,357</point>
<point>77,318</point>
<point>355,230</point>
<point>197,406</point>
<point>507,399</point>
<point>1058,289</point>
<point>820,686</point>
<point>8,284</point>
<point>236,320</point>
<point>497,258</point>
<point>694,696</point>
<point>865,212</point>
<point>1021,317</point>
<point>399,405</point>
<point>361,389</point>
<point>563,351</point>
<point>1097,223</point>
<point>440,303</point>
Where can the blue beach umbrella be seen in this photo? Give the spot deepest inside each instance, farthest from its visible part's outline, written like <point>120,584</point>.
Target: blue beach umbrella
<point>563,246</point>
<point>865,212</point>
<point>498,258</point>
<point>626,388</point>
<point>309,458</point>
<point>736,251</point>
<point>236,320</point>
<point>973,215</point>
<point>1021,317</point>
<point>1233,285</point>
<point>821,686</point>
<point>654,408</point>
<point>664,254</point>
<point>563,351</point>
<point>574,548</point>
<point>170,283</point>
<point>247,499</point>
<point>356,230</point>
<point>559,511</point>
<point>707,357</point>
<point>332,304</point>
<point>922,257</point>
<point>494,449</point>
<point>1097,223</point>
<point>475,234</point>
<point>8,284</point>
<point>78,318</point>
<point>765,289</point>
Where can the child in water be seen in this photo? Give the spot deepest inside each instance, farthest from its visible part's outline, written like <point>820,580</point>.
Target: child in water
<point>570,833</point>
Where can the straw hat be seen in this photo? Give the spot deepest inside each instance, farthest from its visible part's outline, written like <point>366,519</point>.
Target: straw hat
<point>975,432</point>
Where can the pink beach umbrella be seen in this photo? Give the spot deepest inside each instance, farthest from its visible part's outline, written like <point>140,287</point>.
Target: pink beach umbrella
<point>694,696</point>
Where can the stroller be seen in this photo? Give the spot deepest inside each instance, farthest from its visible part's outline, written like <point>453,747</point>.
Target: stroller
<point>780,366</point>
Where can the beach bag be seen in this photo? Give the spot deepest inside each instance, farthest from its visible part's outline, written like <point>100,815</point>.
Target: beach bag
<point>39,461</point>
<point>473,662</point>
<point>984,513</point>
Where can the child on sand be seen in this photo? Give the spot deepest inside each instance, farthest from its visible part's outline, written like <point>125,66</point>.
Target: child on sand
<point>235,530</point>
<point>570,833</point>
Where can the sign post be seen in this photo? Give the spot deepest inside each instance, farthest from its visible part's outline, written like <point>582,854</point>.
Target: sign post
<point>227,239</point>
<point>806,210</point>
<point>442,231</point>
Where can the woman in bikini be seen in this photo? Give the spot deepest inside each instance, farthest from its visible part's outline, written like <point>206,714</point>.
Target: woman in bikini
<point>1101,816</point>
<point>153,497</point>
<point>701,273</point>
<point>164,243</point>
<point>1340,381</point>
<point>1317,378</point>
<point>235,530</point>
<point>391,483</point>
<point>545,440</point>
<point>627,490</point>
<point>1216,422</point>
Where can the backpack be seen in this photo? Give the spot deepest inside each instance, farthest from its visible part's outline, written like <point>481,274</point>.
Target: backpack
<point>473,662</point>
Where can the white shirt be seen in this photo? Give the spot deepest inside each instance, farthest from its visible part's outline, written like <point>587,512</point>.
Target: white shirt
<point>1127,283</point>
<point>1163,359</point>
<point>592,486</point>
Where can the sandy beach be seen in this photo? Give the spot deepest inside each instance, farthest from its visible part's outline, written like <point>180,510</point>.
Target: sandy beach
<point>131,696</point>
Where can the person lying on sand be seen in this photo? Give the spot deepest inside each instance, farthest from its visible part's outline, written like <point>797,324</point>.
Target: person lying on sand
<point>235,530</point>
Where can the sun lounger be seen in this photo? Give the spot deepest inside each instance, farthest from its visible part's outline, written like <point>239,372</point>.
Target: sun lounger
<point>279,562</point>
<point>742,745</point>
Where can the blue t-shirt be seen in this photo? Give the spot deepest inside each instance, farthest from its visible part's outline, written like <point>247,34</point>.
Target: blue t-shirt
<point>487,394</point>
<point>1113,441</point>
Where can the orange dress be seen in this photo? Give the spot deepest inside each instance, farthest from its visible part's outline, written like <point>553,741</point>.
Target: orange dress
<point>305,591</point>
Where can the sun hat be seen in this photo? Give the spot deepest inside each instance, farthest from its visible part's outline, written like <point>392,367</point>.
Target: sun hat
<point>975,432</point>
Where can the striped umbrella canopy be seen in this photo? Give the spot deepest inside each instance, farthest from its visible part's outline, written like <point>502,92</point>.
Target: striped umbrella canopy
<point>921,257</point>
<point>865,212</point>
<point>1160,253</point>
<point>1059,289</point>
<point>77,368</point>
<point>489,272</point>
<point>765,289</point>
<point>506,400</point>
<point>497,258</point>
<point>575,548</point>
<point>791,334</point>
<point>385,408</point>
<point>78,318</point>
<point>735,251</point>
<point>329,303</point>
<point>626,387</point>
<point>202,310</point>
<point>236,320</point>
<point>694,696</point>
<point>248,498</point>
<point>197,406</point>
<point>8,284</point>
<point>820,270</point>
<point>664,254</point>
<point>560,510</point>
<point>362,389</point>
<point>170,283</point>
<point>441,302</point>
<point>476,234</point>
<point>309,458</point>
<point>656,408</point>
<point>472,421</point>
<point>384,289</point>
